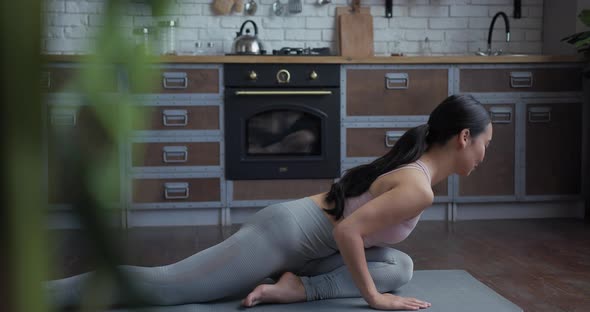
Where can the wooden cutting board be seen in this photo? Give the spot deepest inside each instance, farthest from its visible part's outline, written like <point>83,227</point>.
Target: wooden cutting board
<point>355,32</point>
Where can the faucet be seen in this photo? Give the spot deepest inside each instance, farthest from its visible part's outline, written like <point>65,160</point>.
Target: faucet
<point>507,24</point>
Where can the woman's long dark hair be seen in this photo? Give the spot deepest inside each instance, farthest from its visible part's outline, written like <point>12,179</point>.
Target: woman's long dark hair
<point>449,118</point>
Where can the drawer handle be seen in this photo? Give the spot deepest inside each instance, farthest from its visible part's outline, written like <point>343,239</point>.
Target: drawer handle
<point>303,92</point>
<point>521,79</point>
<point>175,117</point>
<point>176,190</point>
<point>396,81</point>
<point>501,114</point>
<point>540,114</point>
<point>175,80</point>
<point>63,117</point>
<point>175,154</point>
<point>45,80</point>
<point>391,137</point>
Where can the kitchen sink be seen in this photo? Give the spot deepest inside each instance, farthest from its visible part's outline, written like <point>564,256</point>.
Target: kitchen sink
<point>499,53</point>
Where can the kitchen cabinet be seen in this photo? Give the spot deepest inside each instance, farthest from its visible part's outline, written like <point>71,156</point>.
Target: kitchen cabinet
<point>183,79</point>
<point>175,190</point>
<point>553,149</point>
<point>72,133</point>
<point>64,78</point>
<point>539,156</point>
<point>172,164</point>
<point>174,155</point>
<point>495,176</point>
<point>74,140</point>
<point>72,136</point>
<point>176,117</point>
<point>394,92</point>
<point>520,79</point>
<point>383,102</point>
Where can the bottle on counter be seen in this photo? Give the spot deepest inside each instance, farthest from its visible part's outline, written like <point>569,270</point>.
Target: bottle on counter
<point>144,39</point>
<point>426,49</point>
<point>168,40</point>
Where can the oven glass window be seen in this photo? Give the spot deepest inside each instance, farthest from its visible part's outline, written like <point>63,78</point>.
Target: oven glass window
<point>283,132</point>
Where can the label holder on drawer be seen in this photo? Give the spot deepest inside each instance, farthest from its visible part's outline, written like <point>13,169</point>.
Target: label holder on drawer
<point>521,79</point>
<point>46,80</point>
<point>175,154</point>
<point>176,190</point>
<point>63,117</point>
<point>391,137</point>
<point>501,114</point>
<point>539,114</point>
<point>175,80</point>
<point>175,117</point>
<point>397,81</point>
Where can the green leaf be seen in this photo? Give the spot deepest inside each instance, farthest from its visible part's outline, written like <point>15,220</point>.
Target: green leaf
<point>584,17</point>
<point>582,43</point>
<point>575,38</point>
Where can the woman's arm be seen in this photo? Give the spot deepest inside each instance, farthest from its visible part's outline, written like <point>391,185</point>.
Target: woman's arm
<point>403,202</point>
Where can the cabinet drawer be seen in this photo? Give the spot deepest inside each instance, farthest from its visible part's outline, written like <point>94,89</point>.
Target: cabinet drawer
<point>183,80</point>
<point>175,154</point>
<point>270,189</point>
<point>495,175</point>
<point>177,118</point>
<point>176,190</point>
<point>395,92</point>
<point>371,142</point>
<point>65,79</point>
<point>521,80</point>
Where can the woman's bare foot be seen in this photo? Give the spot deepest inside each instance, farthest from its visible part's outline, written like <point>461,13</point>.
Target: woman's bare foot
<point>288,289</point>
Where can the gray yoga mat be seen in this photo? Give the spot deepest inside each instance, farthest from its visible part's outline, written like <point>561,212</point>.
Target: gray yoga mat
<point>447,290</point>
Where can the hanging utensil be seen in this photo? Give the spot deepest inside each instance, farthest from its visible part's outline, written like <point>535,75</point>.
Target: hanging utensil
<point>278,8</point>
<point>250,7</point>
<point>295,6</point>
<point>389,8</point>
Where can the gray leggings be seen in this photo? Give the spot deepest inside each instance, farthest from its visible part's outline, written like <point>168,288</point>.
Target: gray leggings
<point>294,236</point>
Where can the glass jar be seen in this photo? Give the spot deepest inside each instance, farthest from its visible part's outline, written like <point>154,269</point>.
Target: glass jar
<point>167,31</point>
<point>144,41</point>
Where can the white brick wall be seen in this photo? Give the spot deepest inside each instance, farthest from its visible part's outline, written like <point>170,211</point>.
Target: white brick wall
<point>452,26</point>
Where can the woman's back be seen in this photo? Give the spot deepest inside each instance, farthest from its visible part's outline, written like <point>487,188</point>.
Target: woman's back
<point>382,184</point>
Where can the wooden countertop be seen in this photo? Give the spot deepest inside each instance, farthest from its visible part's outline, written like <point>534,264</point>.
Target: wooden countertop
<point>470,59</point>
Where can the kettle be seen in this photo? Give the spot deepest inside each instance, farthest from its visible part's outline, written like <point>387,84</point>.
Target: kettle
<point>244,43</point>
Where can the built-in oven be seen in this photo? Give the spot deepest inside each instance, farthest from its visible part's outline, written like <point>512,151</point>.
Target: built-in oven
<point>282,121</point>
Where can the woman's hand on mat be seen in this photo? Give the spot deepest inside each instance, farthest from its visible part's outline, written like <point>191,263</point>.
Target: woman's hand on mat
<point>388,301</point>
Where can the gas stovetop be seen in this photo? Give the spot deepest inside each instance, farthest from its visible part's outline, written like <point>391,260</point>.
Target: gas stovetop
<point>288,51</point>
<point>302,51</point>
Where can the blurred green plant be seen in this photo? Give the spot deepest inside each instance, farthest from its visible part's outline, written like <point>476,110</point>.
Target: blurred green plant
<point>94,159</point>
<point>581,40</point>
<point>97,164</point>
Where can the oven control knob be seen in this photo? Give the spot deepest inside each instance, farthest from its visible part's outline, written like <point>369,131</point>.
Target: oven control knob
<point>283,76</point>
<point>313,75</point>
<point>253,75</point>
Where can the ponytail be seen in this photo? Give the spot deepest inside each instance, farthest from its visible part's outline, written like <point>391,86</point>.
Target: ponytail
<point>357,180</point>
<point>450,117</point>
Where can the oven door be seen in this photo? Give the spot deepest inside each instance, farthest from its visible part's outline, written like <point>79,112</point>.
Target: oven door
<point>282,133</point>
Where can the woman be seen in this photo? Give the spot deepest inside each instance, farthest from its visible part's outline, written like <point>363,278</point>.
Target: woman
<point>329,245</point>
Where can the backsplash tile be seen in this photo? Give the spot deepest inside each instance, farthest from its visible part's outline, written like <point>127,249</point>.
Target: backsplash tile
<point>453,27</point>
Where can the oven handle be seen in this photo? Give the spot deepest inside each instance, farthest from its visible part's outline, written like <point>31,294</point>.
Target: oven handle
<point>283,92</point>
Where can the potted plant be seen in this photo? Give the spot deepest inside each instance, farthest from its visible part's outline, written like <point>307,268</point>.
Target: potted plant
<point>581,40</point>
